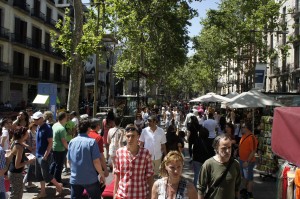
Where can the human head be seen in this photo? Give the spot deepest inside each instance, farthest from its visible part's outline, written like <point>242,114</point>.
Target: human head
<point>229,128</point>
<point>73,114</point>
<point>5,122</point>
<point>139,116</point>
<point>152,121</point>
<point>29,111</point>
<point>171,129</point>
<point>171,157</point>
<point>110,115</point>
<point>222,146</point>
<point>20,133</point>
<point>246,127</point>
<point>95,124</point>
<point>210,115</point>
<point>38,118</point>
<point>84,126</point>
<point>132,135</point>
<point>32,126</point>
<point>118,121</point>
<point>62,117</point>
<point>48,116</point>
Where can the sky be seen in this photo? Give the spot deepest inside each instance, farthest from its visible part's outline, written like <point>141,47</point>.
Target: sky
<point>201,7</point>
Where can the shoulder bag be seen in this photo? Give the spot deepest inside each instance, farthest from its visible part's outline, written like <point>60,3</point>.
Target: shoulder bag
<point>219,180</point>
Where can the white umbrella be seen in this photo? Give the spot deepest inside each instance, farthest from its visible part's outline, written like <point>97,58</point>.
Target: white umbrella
<point>210,97</point>
<point>252,99</point>
<point>232,95</point>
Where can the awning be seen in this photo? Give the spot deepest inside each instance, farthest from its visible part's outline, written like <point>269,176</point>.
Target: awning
<point>43,99</point>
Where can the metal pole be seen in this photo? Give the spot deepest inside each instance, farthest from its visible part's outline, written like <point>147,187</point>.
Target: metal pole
<point>95,104</point>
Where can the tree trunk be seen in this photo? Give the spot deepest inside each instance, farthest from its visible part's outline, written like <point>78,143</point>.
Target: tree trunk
<point>76,70</point>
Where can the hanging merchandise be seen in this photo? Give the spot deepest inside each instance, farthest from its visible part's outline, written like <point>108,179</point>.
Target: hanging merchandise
<point>267,161</point>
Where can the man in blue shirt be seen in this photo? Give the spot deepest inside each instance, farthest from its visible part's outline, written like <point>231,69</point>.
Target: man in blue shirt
<point>44,142</point>
<point>84,158</point>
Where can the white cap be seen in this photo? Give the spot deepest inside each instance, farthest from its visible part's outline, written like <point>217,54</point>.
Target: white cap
<point>37,115</point>
<point>84,116</point>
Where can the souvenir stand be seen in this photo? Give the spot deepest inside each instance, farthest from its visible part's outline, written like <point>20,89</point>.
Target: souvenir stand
<point>285,143</point>
<point>267,161</point>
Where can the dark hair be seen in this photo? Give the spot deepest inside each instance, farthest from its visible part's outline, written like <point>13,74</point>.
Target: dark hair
<point>4,121</point>
<point>230,125</point>
<point>181,134</point>
<point>210,115</point>
<point>84,126</point>
<point>94,123</point>
<point>26,117</point>
<point>117,121</point>
<point>61,116</point>
<point>73,113</point>
<point>110,115</point>
<point>248,125</point>
<point>19,132</point>
<point>216,141</point>
<point>130,128</point>
<point>222,123</point>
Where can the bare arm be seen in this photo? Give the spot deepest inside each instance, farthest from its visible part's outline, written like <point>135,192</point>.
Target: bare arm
<point>64,142</point>
<point>98,167</point>
<point>150,182</point>
<point>154,194</point>
<point>19,153</point>
<point>103,165</point>
<point>50,143</point>
<point>164,149</point>
<point>3,139</point>
<point>191,191</point>
<point>117,179</point>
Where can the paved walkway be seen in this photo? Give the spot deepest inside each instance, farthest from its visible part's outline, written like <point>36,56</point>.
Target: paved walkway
<point>264,188</point>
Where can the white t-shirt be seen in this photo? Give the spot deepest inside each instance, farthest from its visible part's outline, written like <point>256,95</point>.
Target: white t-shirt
<point>6,143</point>
<point>75,120</point>
<point>153,141</point>
<point>211,126</point>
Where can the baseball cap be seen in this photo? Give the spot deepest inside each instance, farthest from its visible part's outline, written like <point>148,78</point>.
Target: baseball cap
<point>37,115</point>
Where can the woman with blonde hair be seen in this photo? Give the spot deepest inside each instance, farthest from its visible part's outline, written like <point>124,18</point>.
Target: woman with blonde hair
<point>172,184</point>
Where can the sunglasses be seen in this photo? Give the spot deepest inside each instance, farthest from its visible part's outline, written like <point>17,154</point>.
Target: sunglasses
<point>130,129</point>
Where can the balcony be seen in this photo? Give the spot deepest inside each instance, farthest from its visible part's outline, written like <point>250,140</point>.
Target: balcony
<point>4,33</point>
<point>38,14</point>
<point>50,21</point>
<point>4,67</point>
<point>22,6</point>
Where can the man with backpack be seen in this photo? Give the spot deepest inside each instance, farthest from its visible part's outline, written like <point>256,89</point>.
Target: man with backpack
<point>247,150</point>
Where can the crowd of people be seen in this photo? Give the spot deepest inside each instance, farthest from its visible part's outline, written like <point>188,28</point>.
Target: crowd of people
<point>146,157</point>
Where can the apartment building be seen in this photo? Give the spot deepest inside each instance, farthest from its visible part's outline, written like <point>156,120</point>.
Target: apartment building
<point>283,72</point>
<point>26,55</point>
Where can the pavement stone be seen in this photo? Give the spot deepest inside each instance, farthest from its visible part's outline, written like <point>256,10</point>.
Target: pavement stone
<point>264,187</point>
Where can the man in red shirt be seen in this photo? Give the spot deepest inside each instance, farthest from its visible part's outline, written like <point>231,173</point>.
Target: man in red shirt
<point>93,133</point>
<point>133,170</point>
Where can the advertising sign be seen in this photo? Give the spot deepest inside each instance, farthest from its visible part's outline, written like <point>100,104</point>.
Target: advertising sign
<point>260,73</point>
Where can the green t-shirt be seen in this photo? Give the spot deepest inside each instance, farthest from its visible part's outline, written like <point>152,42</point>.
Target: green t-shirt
<point>59,132</point>
<point>212,170</point>
<point>70,125</point>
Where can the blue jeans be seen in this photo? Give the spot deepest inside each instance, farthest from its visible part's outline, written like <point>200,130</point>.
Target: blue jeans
<point>2,195</point>
<point>93,190</point>
<point>247,173</point>
<point>57,164</point>
<point>197,170</point>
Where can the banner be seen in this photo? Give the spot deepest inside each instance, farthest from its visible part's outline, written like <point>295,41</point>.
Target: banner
<point>260,73</point>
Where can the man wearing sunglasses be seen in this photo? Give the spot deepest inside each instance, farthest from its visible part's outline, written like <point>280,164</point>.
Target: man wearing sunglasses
<point>133,168</point>
<point>154,139</point>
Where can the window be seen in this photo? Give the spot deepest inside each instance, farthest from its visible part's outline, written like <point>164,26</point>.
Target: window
<point>36,37</point>
<point>59,17</point>
<point>18,63</point>
<point>48,15</point>
<point>47,41</point>
<point>20,30</point>
<point>57,72</point>
<point>46,70</point>
<point>34,67</point>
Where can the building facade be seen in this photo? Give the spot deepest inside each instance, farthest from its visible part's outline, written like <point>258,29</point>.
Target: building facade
<point>26,55</point>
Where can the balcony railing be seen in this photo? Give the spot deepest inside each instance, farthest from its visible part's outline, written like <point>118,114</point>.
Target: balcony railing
<point>4,67</point>
<point>38,14</point>
<point>4,33</point>
<point>28,42</point>
<point>50,21</point>
<point>23,6</point>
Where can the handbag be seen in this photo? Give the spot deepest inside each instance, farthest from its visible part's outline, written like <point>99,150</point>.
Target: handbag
<point>219,180</point>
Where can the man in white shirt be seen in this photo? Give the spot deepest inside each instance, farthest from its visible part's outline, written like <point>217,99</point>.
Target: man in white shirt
<point>153,138</point>
<point>212,126</point>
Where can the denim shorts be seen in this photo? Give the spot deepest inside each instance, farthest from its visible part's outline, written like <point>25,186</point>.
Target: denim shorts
<point>247,173</point>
